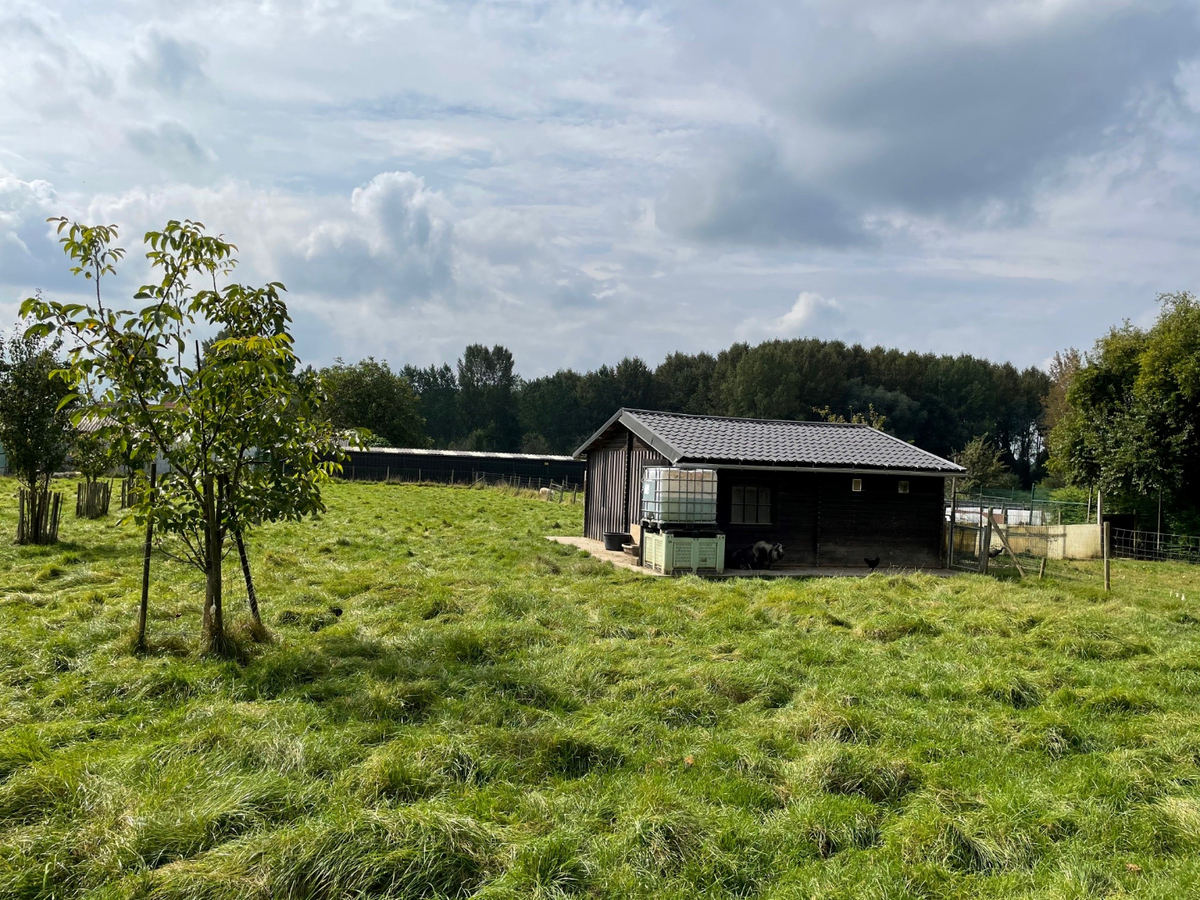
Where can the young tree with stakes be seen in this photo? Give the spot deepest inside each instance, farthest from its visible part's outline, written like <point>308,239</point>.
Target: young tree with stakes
<point>241,432</point>
<point>35,428</point>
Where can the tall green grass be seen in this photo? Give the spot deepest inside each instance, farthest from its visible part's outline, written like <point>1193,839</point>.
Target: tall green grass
<point>453,706</point>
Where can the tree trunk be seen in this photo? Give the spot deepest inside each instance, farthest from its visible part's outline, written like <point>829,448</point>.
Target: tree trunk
<point>214,618</point>
<point>251,597</point>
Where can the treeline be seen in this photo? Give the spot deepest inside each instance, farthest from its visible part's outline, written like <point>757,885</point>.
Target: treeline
<point>1124,419</point>
<point>938,402</point>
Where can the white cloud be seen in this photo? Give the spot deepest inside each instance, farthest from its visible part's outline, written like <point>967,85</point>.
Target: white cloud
<point>586,180</point>
<point>810,315</point>
<point>809,311</point>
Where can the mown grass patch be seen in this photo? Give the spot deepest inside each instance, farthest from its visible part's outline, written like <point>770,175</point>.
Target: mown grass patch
<point>452,706</point>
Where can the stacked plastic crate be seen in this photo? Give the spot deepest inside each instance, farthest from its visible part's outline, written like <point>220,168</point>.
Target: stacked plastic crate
<point>679,521</point>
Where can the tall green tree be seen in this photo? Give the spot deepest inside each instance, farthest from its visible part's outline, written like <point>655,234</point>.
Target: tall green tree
<point>985,466</point>
<point>35,426</point>
<point>635,384</point>
<point>1132,422</point>
<point>488,406</point>
<point>551,411</point>
<point>436,388</point>
<point>369,395</point>
<point>243,432</point>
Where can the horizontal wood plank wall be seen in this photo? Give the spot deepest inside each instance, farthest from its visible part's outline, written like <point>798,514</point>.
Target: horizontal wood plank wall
<point>821,521</point>
<point>793,513</point>
<point>903,530</point>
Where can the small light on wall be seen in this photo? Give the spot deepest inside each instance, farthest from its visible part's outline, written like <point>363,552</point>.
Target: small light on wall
<point>856,485</point>
<point>903,487</point>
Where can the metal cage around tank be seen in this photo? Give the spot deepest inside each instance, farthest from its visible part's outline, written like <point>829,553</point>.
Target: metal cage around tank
<point>679,497</point>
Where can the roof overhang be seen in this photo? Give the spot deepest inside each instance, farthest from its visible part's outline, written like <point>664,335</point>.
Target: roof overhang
<point>800,467</point>
<point>640,430</point>
<point>628,418</point>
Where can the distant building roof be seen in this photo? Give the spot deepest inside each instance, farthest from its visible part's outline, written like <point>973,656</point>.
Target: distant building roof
<point>92,423</point>
<point>716,440</point>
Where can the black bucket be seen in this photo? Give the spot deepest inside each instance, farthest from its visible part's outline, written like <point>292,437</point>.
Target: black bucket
<point>615,540</point>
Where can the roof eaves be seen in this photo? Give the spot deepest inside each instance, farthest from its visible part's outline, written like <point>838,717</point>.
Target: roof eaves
<point>631,421</point>
<point>582,449</point>
<point>944,464</point>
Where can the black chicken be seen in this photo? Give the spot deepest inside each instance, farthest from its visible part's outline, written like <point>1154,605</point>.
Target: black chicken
<point>871,563</point>
<point>992,554</point>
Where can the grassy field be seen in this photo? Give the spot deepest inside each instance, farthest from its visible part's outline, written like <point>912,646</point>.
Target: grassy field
<point>493,715</point>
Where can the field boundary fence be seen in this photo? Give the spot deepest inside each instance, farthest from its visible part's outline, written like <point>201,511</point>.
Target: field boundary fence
<point>1013,541</point>
<point>562,491</point>
<point>1155,546</point>
<point>1015,508</point>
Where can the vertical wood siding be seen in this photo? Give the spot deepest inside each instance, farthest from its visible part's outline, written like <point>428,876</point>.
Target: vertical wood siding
<point>605,487</point>
<point>643,456</point>
<point>604,507</point>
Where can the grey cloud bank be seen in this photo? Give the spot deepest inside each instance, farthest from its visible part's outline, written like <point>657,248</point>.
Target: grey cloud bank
<point>583,181</point>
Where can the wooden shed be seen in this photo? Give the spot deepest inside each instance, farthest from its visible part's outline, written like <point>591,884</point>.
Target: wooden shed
<point>832,494</point>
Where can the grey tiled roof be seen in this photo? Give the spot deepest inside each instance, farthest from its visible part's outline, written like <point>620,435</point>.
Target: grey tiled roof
<point>712,439</point>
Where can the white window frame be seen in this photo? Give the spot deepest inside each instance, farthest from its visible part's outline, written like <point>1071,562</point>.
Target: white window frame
<point>856,485</point>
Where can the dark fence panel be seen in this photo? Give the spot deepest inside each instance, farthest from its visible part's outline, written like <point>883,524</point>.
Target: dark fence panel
<point>460,468</point>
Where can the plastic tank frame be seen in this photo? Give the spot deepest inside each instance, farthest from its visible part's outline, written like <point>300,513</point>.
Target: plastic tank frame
<point>680,498</point>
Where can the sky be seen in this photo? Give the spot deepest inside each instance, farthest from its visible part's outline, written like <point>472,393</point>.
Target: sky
<point>584,181</point>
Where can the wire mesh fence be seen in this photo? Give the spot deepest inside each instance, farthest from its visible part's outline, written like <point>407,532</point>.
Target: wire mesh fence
<point>1022,508</point>
<point>1154,546</point>
<point>1019,551</point>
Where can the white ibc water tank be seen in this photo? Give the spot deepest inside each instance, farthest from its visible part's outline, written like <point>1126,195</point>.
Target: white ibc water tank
<point>679,496</point>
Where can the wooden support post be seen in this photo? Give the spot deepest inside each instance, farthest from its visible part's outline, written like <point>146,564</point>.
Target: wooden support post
<point>953,516</point>
<point>1107,558</point>
<point>1004,544</point>
<point>144,606</point>
<point>1042,569</point>
<point>251,595</point>
<point>985,543</point>
<point>1159,536</point>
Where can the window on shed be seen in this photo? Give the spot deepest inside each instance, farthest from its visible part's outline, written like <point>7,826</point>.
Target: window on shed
<point>903,487</point>
<point>751,506</point>
<point>856,485</point>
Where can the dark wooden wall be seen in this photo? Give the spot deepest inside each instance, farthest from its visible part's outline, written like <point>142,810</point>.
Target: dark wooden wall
<point>378,464</point>
<point>605,502</point>
<point>821,522</point>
